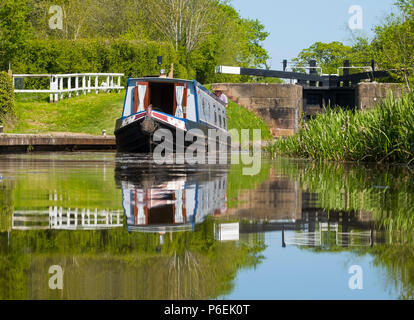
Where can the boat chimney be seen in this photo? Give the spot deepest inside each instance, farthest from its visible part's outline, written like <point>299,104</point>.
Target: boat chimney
<point>162,74</point>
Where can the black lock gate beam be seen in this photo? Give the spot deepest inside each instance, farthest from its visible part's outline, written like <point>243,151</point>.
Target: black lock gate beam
<point>327,81</point>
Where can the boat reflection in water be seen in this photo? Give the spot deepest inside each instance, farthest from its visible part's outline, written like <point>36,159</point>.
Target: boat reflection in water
<point>173,205</point>
<point>156,201</point>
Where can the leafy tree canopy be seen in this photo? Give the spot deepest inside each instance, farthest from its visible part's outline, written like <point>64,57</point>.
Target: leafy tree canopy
<point>203,33</point>
<point>392,47</point>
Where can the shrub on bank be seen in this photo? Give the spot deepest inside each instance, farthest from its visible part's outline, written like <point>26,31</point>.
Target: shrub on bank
<point>385,134</point>
<point>6,96</point>
<point>133,58</point>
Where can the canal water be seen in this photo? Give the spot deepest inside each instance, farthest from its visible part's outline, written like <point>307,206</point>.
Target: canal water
<point>107,226</point>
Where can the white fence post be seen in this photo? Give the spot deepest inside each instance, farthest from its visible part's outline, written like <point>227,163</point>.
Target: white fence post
<point>89,84</point>
<point>77,85</point>
<point>61,88</point>
<point>96,84</point>
<point>56,88</point>
<point>51,88</point>
<point>69,87</point>
<point>84,84</point>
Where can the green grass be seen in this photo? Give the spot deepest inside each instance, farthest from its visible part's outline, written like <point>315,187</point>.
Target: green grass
<point>90,114</point>
<point>385,134</point>
<point>241,118</point>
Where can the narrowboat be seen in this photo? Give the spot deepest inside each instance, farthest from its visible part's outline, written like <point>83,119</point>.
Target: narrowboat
<point>153,103</point>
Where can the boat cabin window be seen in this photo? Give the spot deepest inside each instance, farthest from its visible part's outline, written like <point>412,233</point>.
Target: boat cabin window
<point>161,96</point>
<point>161,215</point>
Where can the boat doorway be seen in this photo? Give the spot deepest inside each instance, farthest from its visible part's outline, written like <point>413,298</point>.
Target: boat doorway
<point>161,96</point>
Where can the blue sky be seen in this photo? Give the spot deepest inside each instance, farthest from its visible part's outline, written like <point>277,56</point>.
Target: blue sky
<point>294,273</point>
<point>295,25</point>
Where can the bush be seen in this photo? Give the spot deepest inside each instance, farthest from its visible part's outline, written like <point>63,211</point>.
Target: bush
<point>6,96</point>
<point>133,58</point>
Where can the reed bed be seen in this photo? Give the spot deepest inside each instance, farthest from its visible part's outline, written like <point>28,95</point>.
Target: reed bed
<point>384,193</point>
<point>384,134</point>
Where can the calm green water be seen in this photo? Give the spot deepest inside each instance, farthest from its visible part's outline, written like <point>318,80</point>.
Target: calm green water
<point>120,227</point>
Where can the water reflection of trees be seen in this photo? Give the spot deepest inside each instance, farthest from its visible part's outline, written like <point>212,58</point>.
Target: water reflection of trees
<point>6,204</point>
<point>113,264</point>
<point>385,192</point>
<point>398,260</point>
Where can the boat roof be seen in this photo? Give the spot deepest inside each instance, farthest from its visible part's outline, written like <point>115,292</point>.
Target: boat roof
<point>158,79</point>
<point>161,228</point>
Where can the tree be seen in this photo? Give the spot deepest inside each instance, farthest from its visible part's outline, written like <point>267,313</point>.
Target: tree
<point>182,22</point>
<point>394,43</point>
<point>362,52</point>
<point>329,56</point>
<point>232,41</point>
<point>14,28</point>
<point>392,47</point>
<point>204,33</point>
<point>7,108</point>
<point>255,34</point>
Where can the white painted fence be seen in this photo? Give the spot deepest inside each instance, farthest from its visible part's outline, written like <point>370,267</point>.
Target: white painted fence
<point>61,84</point>
<point>59,218</point>
<point>342,239</point>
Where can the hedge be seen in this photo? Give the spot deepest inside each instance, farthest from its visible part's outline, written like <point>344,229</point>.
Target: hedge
<point>133,58</point>
<point>6,96</point>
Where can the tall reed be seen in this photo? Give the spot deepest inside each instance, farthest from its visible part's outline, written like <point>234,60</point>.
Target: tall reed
<point>384,134</point>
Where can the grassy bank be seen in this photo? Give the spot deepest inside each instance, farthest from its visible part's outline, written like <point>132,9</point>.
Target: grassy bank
<point>241,118</point>
<point>93,113</point>
<point>385,134</point>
